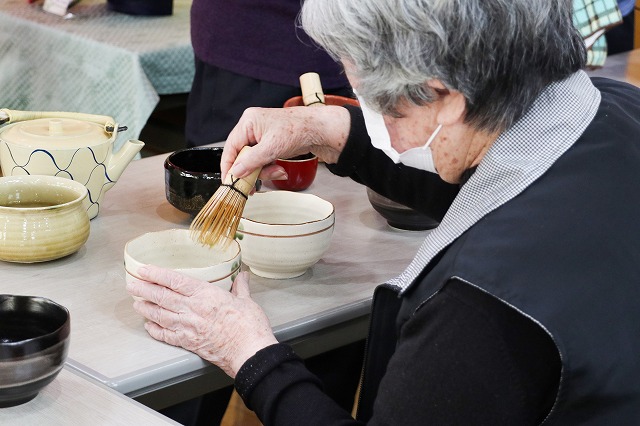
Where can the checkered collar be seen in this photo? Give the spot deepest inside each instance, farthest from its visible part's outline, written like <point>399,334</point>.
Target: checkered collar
<point>518,157</point>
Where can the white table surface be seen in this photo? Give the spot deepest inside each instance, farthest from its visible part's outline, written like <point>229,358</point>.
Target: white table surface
<point>74,399</point>
<point>99,62</point>
<point>108,341</point>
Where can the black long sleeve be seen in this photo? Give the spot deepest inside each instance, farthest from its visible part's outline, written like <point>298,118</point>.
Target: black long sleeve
<point>463,358</point>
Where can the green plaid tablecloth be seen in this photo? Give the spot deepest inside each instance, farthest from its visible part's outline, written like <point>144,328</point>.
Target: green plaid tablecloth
<point>98,62</point>
<point>592,16</point>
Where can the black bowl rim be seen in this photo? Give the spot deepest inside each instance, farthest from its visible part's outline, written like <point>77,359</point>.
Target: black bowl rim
<point>170,165</point>
<point>59,334</point>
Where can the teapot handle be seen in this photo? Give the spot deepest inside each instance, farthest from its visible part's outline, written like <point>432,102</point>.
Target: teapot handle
<point>12,116</point>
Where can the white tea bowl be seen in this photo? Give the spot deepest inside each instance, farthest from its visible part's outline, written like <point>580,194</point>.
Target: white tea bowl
<point>175,249</point>
<point>41,218</point>
<point>283,233</point>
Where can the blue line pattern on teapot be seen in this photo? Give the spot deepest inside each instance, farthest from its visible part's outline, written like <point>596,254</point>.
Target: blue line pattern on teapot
<point>58,170</point>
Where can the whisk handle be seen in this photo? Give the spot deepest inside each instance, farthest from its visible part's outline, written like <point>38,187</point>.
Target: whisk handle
<point>245,184</point>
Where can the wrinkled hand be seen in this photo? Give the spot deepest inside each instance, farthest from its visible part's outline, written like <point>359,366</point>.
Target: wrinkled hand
<point>225,328</point>
<point>284,133</point>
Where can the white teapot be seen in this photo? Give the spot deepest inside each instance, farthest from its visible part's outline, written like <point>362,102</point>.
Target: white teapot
<point>71,145</point>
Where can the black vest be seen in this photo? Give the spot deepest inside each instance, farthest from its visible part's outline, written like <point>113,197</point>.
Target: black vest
<point>566,253</point>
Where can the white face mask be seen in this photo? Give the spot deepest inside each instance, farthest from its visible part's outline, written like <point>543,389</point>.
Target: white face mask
<point>418,157</point>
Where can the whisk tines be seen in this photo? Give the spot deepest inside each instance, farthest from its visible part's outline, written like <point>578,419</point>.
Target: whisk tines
<point>217,222</point>
<point>219,218</point>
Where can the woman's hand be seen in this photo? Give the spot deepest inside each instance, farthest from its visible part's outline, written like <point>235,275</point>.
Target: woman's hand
<point>224,328</point>
<point>284,133</point>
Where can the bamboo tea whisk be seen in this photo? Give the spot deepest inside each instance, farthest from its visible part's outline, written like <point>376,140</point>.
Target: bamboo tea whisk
<point>218,220</point>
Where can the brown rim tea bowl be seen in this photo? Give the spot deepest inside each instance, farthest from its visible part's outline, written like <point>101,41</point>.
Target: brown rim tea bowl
<point>192,176</point>
<point>41,218</point>
<point>34,342</point>
<point>176,249</point>
<point>284,233</point>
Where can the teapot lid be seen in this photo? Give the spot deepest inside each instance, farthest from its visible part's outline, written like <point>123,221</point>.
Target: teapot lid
<point>62,133</point>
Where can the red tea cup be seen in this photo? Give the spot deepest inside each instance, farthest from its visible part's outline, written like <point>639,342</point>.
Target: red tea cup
<point>301,172</point>
<point>302,169</point>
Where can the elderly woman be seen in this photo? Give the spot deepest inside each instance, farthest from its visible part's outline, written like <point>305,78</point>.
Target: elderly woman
<point>522,307</point>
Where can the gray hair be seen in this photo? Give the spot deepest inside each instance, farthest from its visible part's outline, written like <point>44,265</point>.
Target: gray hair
<point>499,54</point>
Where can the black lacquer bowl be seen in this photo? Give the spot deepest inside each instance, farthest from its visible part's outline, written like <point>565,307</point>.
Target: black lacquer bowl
<point>142,7</point>
<point>191,177</point>
<point>399,216</point>
<point>34,341</point>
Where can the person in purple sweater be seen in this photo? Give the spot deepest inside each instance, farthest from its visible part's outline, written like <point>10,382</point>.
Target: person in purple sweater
<point>249,53</point>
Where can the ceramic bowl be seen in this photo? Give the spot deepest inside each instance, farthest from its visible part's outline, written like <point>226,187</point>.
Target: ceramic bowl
<point>301,172</point>
<point>191,177</point>
<point>283,233</point>
<point>142,7</point>
<point>175,249</point>
<point>399,216</point>
<point>34,341</point>
<point>41,218</point>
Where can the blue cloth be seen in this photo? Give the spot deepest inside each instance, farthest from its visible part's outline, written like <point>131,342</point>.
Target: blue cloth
<point>626,6</point>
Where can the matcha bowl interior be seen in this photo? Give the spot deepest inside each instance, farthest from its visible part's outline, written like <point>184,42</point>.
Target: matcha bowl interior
<point>176,249</point>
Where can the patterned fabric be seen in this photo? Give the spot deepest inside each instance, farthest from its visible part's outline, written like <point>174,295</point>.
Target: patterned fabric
<point>597,53</point>
<point>99,62</point>
<point>592,18</point>
<point>518,157</point>
<point>591,15</point>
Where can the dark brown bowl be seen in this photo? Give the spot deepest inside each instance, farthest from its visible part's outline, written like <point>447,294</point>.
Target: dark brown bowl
<point>191,177</point>
<point>400,216</point>
<point>328,100</point>
<point>34,341</point>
